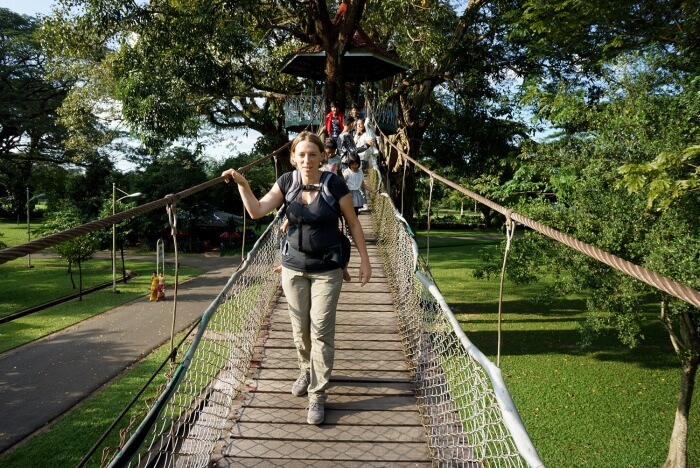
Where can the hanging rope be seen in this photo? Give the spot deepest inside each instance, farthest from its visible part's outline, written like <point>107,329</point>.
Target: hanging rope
<point>427,242</point>
<point>245,217</point>
<point>172,219</point>
<point>510,230</point>
<point>403,184</point>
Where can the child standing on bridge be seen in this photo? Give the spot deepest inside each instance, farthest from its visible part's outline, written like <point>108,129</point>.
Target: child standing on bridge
<point>311,278</point>
<point>356,183</point>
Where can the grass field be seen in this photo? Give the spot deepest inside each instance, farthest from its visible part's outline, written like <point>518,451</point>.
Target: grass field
<point>607,406</point>
<point>13,233</point>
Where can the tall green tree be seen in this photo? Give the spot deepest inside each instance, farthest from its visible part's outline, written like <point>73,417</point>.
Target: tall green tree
<point>622,88</point>
<point>177,169</point>
<point>169,80</point>
<point>584,194</point>
<point>75,250</point>
<point>453,94</point>
<point>29,100</point>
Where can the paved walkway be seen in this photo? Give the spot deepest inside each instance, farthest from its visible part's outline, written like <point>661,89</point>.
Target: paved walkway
<point>42,380</point>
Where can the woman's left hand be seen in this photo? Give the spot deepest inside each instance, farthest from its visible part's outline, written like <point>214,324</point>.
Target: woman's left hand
<point>365,273</point>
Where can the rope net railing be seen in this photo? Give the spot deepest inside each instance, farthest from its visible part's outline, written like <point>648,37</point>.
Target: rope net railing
<point>464,405</point>
<point>467,412</point>
<point>184,425</point>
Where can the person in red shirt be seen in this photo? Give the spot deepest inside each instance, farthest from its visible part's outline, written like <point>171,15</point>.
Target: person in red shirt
<point>334,122</point>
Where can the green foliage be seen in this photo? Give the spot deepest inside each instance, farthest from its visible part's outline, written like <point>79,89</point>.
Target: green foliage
<point>667,178</point>
<point>74,250</point>
<point>574,39</point>
<point>635,127</point>
<point>29,132</point>
<point>173,171</point>
<point>172,66</point>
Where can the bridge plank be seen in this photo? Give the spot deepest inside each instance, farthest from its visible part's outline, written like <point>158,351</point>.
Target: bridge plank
<point>340,365</point>
<point>338,432</point>
<point>347,385</point>
<point>383,319</point>
<point>285,463</point>
<point>334,417</point>
<point>313,450</point>
<point>344,328</point>
<point>386,335</point>
<point>290,374</point>
<point>370,349</point>
<point>288,352</point>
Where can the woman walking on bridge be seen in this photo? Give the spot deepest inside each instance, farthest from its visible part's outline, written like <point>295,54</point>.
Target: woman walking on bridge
<point>312,260</point>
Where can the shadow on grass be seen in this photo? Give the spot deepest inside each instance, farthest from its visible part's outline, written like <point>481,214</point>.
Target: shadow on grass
<point>570,309</point>
<point>557,329</point>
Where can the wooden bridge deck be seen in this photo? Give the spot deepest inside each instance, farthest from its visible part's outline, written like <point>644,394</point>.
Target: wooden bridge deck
<point>371,413</point>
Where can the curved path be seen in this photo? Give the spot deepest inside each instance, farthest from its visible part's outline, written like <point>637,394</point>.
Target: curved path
<point>43,379</point>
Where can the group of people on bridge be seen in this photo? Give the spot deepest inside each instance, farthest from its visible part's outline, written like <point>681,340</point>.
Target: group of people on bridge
<point>348,149</point>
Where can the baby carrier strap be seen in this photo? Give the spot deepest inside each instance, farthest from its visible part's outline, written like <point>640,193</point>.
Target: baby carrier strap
<point>294,192</point>
<point>342,254</point>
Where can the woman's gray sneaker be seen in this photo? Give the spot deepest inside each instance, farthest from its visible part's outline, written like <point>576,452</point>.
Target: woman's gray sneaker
<point>301,385</point>
<point>317,413</point>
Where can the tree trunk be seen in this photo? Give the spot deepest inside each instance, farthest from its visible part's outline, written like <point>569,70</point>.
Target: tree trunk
<point>80,281</point>
<point>70,273</point>
<point>400,190</point>
<point>488,216</point>
<point>678,447</point>
<point>121,249</point>
<point>335,84</point>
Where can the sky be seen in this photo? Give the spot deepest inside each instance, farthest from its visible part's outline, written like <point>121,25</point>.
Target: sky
<point>28,7</point>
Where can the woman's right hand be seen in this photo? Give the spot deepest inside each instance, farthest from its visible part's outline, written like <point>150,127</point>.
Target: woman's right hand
<point>232,174</point>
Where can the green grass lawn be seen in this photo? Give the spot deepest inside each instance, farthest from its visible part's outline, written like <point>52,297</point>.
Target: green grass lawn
<point>25,287</point>
<point>66,440</point>
<point>22,287</point>
<point>13,233</point>
<point>607,406</point>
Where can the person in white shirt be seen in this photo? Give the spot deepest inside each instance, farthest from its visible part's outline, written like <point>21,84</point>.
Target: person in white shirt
<point>364,143</point>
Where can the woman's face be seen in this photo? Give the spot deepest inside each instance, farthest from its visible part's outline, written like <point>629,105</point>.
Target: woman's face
<point>307,157</point>
<point>360,126</point>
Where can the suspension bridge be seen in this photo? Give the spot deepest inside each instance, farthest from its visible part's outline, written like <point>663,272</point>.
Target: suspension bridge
<point>409,388</point>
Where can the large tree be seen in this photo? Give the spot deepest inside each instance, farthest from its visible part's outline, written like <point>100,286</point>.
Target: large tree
<point>175,66</point>
<point>621,88</point>
<point>29,131</point>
